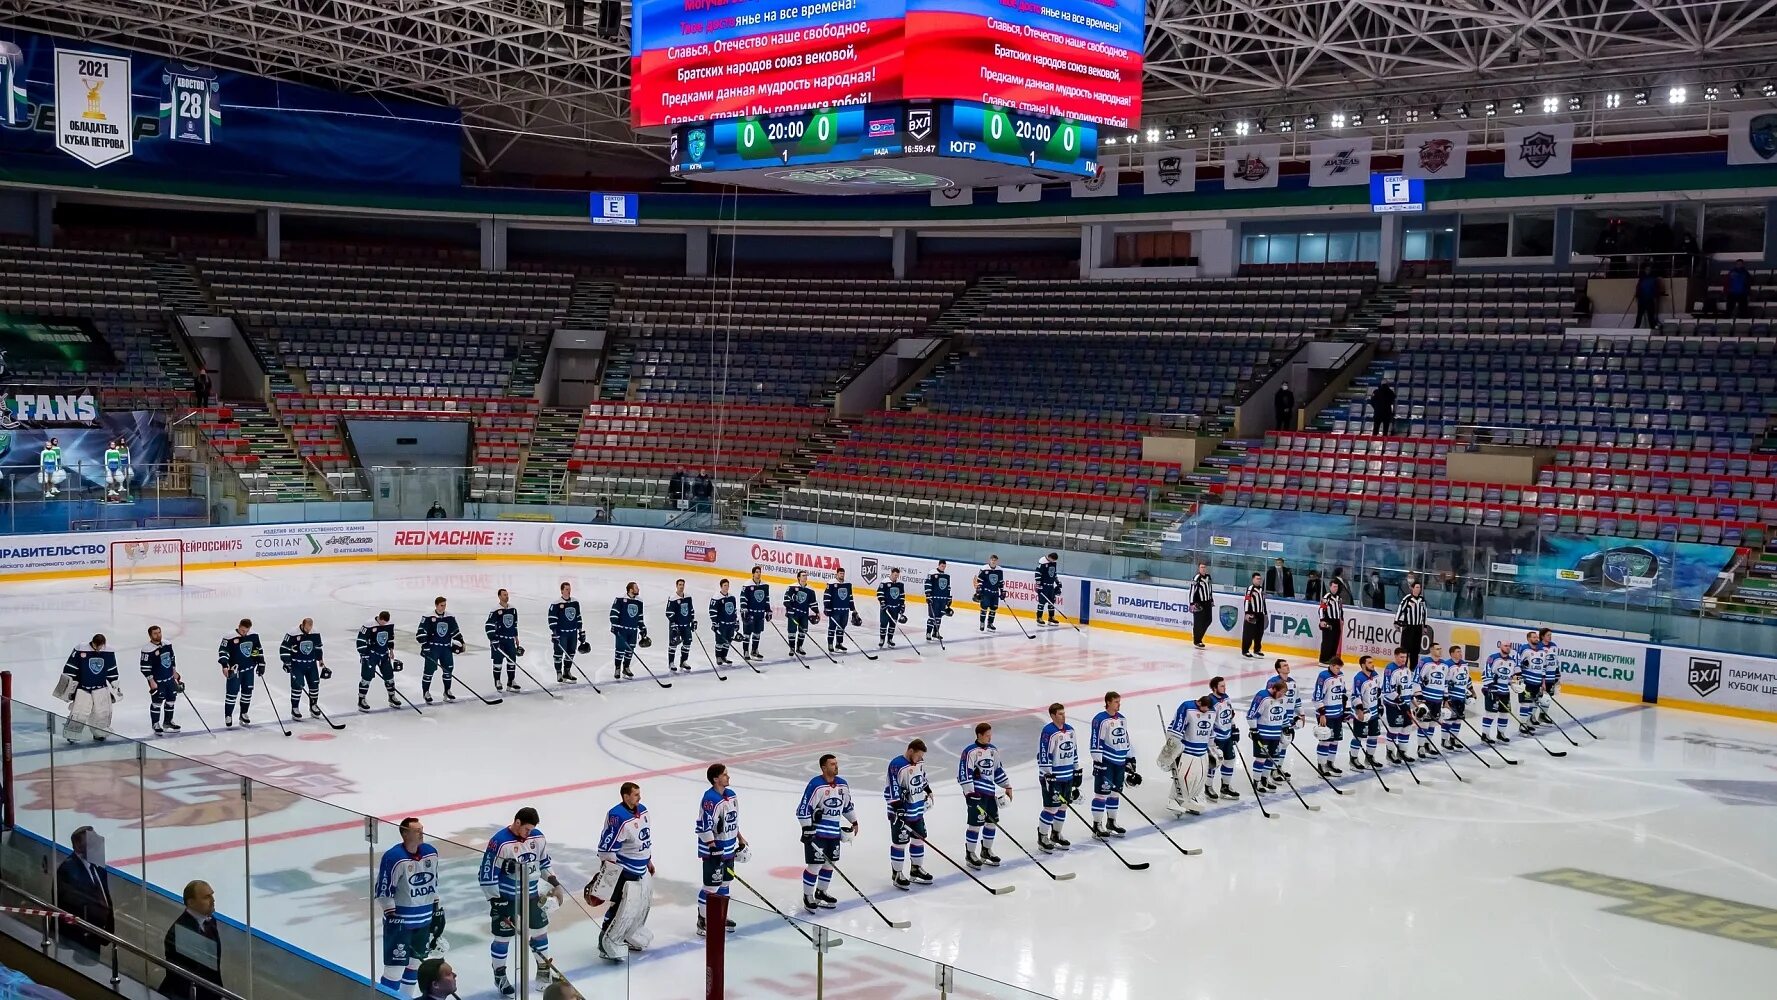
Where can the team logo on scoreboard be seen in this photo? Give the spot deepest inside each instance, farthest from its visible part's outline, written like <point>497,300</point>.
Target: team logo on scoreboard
<point>672,149</point>
<point>919,123</point>
<point>1761,135</point>
<point>1251,168</point>
<point>881,128</point>
<point>1341,161</point>
<point>695,141</point>
<point>1704,676</point>
<point>868,570</point>
<point>1434,154</point>
<point>1171,170</point>
<point>1537,149</point>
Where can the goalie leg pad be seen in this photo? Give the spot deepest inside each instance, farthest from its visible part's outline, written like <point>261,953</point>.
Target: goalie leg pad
<point>624,922</point>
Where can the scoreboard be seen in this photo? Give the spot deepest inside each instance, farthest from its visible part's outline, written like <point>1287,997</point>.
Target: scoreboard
<point>823,135</point>
<point>705,60</point>
<point>991,133</point>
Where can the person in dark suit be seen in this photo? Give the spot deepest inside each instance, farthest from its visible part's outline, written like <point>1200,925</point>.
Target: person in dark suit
<point>1382,409</point>
<point>1280,580</point>
<point>200,389</point>
<point>84,889</point>
<point>194,945</point>
<point>675,487</point>
<point>1283,408</point>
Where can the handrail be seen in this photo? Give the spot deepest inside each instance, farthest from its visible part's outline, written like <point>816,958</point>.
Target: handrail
<point>64,917</point>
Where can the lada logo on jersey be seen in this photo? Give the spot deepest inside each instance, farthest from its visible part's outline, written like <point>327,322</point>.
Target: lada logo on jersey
<point>421,879</point>
<point>170,792</point>
<point>1227,615</point>
<point>1434,154</point>
<point>1704,676</point>
<point>1251,168</point>
<point>867,569</point>
<point>1536,149</point>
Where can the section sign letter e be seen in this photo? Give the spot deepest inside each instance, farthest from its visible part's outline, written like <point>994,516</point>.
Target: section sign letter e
<point>93,107</point>
<point>615,209</point>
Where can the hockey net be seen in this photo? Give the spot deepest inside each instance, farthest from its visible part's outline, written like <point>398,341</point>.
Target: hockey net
<point>146,560</point>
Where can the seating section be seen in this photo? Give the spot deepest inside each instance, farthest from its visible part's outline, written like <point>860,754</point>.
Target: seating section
<point>783,341</point>
<point>392,331</point>
<point>631,450</point>
<point>118,294</point>
<point>255,451</point>
<point>500,430</point>
<point>1507,304</point>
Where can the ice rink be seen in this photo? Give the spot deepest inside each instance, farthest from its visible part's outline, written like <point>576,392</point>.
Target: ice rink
<point>1639,865</point>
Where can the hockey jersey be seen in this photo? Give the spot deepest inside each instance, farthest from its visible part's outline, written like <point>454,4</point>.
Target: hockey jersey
<point>408,884</point>
<point>565,622</point>
<point>157,662</point>
<point>755,599</point>
<point>906,789</point>
<point>1110,739</point>
<point>718,823</point>
<point>836,600</point>
<point>1193,727</point>
<point>626,616</point>
<point>240,652</point>
<point>300,649</point>
<point>892,596</point>
<point>1058,753</point>
<point>799,603</point>
<point>978,770</point>
<point>502,626</point>
<point>92,669</point>
<point>531,854</point>
<point>824,807</point>
<point>681,613</point>
<point>937,587</point>
<point>376,640</point>
<point>1331,692</point>
<point>627,839</point>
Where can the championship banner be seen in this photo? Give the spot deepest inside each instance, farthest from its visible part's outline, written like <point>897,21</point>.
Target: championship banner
<point>1339,162</point>
<point>1016,193</point>
<point>1752,137</point>
<point>1169,171</point>
<point>950,197</point>
<point>1102,186</point>
<point>1246,168</point>
<point>1539,151</point>
<point>93,107</point>
<point>1440,156</point>
<point>14,107</point>
<point>190,111</point>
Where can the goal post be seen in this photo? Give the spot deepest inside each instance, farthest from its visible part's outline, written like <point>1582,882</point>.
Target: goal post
<point>146,560</point>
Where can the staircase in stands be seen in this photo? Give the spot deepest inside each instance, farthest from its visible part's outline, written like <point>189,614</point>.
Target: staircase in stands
<point>546,462</point>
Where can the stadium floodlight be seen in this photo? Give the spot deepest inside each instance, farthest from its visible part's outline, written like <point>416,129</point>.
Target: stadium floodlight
<point>1153,135</point>
<point>1736,91</point>
<point>1769,90</point>
<point>1412,116</point>
<point>1517,107</point>
<point>1190,131</point>
<point>1613,100</point>
<point>1357,119</point>
<point>1338,119</point>
<point>1641,98</point>
<point>1576,103</point>
<point>1382,117</point>
<point>1711,92</point>
<point>1215,131</point>
<point>1260,126</point>
<point>1675,95</point>
<point>1310,122</point>
<point>1286,124</point>
<point>1462,110</point>
<point>1437,113</point>
<point>1491,109</point>
<point>1242,127</point>
<point>1551,105</point>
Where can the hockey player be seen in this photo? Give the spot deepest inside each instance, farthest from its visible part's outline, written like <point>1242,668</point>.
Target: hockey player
<point>116,485</point>
<point>376,655</point>
<point>242,658</point>
<point>828,818</point>
<point>891,608</point>
<point>1497,676</point>
<point>1545,637</point>
<point>801,607</point>
<point>1048,587</point>
<point>1434,681</point>
<point>407,892</point>
<point>160,671</point>
<point>516,851</point>
<point>1366,711</point>
<point>755,610</point>
<point>1269,709</point>
<point>1225,736</point>
<point>1400,687</point>
<point>1060,777</point>
<point>1292,715</point>
<point>1456,696</point>
<point>625,876</point>
<point>1113,763</point>
<point>937,591</point>
<point>978,770</point>
<point>1332,695</point>
<point>502,641</point>
<point>440,640</point>
<point>1539,666</point>
<point>628,629</point>
<point>724,620</point>
<point>907,792</point>
<point>1332,621</point>
<point>567,634</point>
<point>840,608</point>
<point>681,621</point>
<point>89,682</point>
<point>720,844</point>
<point>1186,754</point>
<point>990,586</point>
<point>50,474</point>
<point>300,653</point>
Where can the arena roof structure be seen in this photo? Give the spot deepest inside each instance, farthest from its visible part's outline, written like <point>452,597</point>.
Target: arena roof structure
<point>1214,67</point>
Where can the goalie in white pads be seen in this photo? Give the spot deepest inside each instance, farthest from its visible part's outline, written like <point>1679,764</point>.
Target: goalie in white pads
<point>517,851</point>
<point>1187,754</point>
<point>89,685</point>
<point>625,877</point>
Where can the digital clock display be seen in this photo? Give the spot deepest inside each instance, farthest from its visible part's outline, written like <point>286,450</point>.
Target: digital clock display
<point>984,132</point>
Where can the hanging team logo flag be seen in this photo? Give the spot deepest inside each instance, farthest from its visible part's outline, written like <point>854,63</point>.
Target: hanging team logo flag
<point>14,109</point>
<point>1752,137</point>
<point>1339,162</point>
<point>1169,171</point>
<point>1539,151</point>
<point>1017,193</point>
<point>190,110</point>
<point>1102,185</point>
<point>952,196</point>
<point>1441,156</point>
<point>1249,167</point>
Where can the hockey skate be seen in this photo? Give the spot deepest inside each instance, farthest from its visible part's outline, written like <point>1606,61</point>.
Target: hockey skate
<point>503,984</point>
<point>825,898</point>
<point>1333,767</point>
<point>988,857</point>
<point>919,875</point>
<point>1116,831</point>
<point>972,858</point>
<point>245,721</point>
<point>363,704</point>
<point>1356,765</point>
<point>1044,843</point>
<point>1228,791</point>
<point>171,728</point>
<point>901,881</point>
<point>295,712</point>
<point>1060,842</point>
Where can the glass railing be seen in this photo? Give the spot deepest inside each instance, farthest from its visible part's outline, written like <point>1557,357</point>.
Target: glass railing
<point>294,877</point>
<point>82,496</point>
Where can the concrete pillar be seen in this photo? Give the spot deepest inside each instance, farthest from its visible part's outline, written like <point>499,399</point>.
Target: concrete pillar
<point>697,252</point>
<point>1098,248</point>
<point>270,223</point>
<point>493,244</point>
<point>1563,248</point>
<point>43,227</point>
<point>1217,251</point>
<point>1770,231</point>
<point>901,252</point>
<point>1388,248</point>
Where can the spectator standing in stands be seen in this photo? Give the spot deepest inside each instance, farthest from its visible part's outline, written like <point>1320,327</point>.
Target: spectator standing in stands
<point>194,945</point>
<point>675,488</point>
<point>200,388</point>
<point>83,888</point>
<point>1647,298</point>
<point>437,512</point>
<point>1345,591</point>
<point>1313,590</point>
<point>1375,594</point>
<point>705,491</point>
<point>1280,579</point>
<point>1737,285</point>
<point>1382,409</point>
<point>1410,619</point>
<point>1284,408</point>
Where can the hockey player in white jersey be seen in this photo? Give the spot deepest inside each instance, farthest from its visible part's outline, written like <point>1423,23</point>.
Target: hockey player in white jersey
<point>1366,713</point>
<point>720,844</point>
<point>1186,753</point>
<point>1060,776</point>
<point>906,793</point>
<point>517,851</point>
<point>625,876</point>
<point>407,892</point>
<point>1497,677</point>
<point>1332,696</point>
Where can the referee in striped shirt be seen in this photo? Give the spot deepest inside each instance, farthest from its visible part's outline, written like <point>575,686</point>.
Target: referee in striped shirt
<point>1332,621</point>
<point>1410,619</point>
<point>1252,632</point>
<point>1203,604</point>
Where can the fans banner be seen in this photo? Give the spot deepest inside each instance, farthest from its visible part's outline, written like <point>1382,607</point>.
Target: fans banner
<point>1539,151</point>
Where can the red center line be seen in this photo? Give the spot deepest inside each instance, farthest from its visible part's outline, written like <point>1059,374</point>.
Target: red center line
<point>578,786</point>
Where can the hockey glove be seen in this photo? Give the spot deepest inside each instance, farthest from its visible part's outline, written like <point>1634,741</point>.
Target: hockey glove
<point>458,646</point>
<point>1074,793</point>
<point>1130,775</point>
<point>437,938</point>
<point>645,641</point>
<point>585,647</point>
<point>179,686</point>
<point>286,664</point>
<point>260,669</point>
<point>808,835</point>
<point>326,674</point>
<point>857,620</point>
<point>519,650</point>
<point>902,618</point>
<point>398,665</point>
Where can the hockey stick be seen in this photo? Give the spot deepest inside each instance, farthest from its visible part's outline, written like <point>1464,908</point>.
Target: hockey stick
<point>1575,718</point>
<point>1313,765</point>
<point>1065,618</point>
<point>845,636</point>
<point>644,666</point>
<point>1405,759</point>
<point>1063,877</point>
<point>910,643</point>
<point>712,660</point>
<point>200,716</point>
<point>1377,769</point>
<point>832,942</point>
<point>275,714</point>
<point>1260,799</point>
<point>1010,614</point>
<point>1001,891</point>
<point>326,718</point>
<point>409,701</point>
<point>1489,742</point>
<point>459,682</point>
<point>822,648</point>
<point>1545,746</point>
<point>1456,738</point>
<point>1447,763</point>
<point>899,925</point>
<point>1189,852</point>
<point>1137,866</point>
<point>1292,786</point>
<point>545,687</point>
<point>1560,729</point>
<point>787,644</point>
